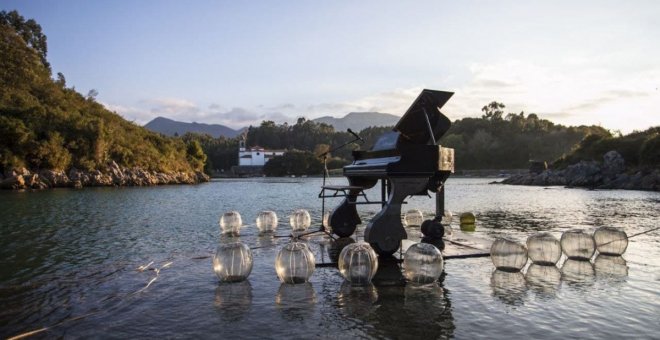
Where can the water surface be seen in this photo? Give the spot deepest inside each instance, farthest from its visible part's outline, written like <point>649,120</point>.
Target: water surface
<point>69,261</point>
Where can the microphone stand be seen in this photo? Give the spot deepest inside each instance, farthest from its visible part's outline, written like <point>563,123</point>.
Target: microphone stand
<point>326,174</point>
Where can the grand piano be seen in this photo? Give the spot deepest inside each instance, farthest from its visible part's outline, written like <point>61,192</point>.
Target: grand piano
<point>408,162</point>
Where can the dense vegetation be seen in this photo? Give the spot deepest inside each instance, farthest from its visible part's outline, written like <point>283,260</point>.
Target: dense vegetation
<point>46,125</point>
<point>493,141</point>
<point>639,149</point>
<point>496,141</point>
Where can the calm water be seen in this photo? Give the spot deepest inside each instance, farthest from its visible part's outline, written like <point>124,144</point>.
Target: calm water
<point>69,262</point>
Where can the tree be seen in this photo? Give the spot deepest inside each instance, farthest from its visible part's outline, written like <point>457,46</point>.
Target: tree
<point>493,111</point>
<point>29,30</point>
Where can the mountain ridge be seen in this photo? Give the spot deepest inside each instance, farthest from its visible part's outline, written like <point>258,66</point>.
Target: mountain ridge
<point>359,120</point>
<point>170,127</point>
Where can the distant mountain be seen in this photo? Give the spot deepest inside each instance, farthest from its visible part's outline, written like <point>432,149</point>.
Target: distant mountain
<point>169,127</point>
<point>359,120</point>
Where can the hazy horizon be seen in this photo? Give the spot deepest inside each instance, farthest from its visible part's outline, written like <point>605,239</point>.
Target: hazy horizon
<point>236,64</point>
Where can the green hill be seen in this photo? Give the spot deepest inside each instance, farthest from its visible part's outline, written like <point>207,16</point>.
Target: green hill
<point>44,125</point>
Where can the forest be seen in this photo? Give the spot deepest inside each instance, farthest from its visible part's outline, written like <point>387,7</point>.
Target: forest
<point>493,141</point>
<point>46,125</point>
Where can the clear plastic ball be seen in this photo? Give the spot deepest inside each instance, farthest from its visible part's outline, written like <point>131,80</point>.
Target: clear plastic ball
<point>413,218</point>
<point>611,241</point>
<point>468,218</point>
<point>232,262</point>
<point>544,249</point>
<point>295,263</point>
<point>267,221</point>
<point>422,263</point>
<point>231,222</point>
<point>300,220</point>
<point>358,263</point>
<point>610,265</point>
<point>578,245</point>
<point>447,217</point>
<point>508,255</point>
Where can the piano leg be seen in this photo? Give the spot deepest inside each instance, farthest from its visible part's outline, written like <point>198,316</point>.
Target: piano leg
<point>344,219</point>
<point>385,231</point>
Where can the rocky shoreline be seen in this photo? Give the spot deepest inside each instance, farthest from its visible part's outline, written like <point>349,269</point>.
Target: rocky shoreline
<point>612,173</point>
<point>113,175</point>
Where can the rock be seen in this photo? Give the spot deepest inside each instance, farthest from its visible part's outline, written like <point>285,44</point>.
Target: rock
<point>79,177</point>
<point>202,177</point>
<point>583,174</point>
<point>537,167</point>
<point>613,164</point>
<point>650,181</point>
<point>14,182</point>
<point>55,178</point>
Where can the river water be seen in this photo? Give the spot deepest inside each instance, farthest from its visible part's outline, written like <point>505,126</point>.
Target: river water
<point>70,260</point>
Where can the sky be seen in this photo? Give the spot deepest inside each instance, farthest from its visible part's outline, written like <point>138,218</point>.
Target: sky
<point>239,62</point>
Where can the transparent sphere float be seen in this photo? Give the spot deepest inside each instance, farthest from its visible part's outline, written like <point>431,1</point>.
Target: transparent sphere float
<point>295,263</point>
<point>232,262</point>
<point>358,263</point>
<point>544,249</point>
<point>423,263</point>
<point>508,255</point>
<point>300,220</point>
<point>413,218</point>
<point>611,240</point>
<point>230,223</point>
<point>578,245</point>
<point>446,223</point>
<point>266,222</point>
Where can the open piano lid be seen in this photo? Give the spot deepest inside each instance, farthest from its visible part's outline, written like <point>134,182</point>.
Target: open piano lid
<point>413,124</point>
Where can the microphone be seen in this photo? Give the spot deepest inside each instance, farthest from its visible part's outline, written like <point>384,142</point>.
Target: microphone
<point>355,134</point>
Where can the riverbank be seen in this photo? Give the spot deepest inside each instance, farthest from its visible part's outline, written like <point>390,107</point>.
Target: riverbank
<point>112,175</point>
<point>612,173</point>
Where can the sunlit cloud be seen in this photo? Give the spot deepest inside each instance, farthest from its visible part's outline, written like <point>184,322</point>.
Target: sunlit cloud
<point>579,92</point>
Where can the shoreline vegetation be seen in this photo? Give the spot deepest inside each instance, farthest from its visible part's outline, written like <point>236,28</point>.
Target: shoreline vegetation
<point>53,136</point>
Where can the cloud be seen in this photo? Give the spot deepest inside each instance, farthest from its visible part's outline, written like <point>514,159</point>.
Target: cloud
<point>586,91</point>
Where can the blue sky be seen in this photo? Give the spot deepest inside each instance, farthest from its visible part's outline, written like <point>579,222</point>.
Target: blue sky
<point>238,62</point>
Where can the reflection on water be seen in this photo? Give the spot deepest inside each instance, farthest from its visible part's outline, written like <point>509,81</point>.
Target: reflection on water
<point>233,300</point>
<point>295,301</point>
<point>578,272</point>
<point>389,273</point>
<point>415,312</point>
<point>611,266</point>
<point>357,301</point>
<point>509,287</point>
<point>543,280</point>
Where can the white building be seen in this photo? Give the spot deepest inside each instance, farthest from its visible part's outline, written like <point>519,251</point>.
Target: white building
<point>255,156</point>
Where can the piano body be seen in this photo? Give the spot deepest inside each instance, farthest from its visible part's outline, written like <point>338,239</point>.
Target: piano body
<point>407,161</point>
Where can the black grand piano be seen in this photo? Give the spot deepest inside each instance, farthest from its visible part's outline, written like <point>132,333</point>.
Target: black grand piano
<point>407,161</point>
